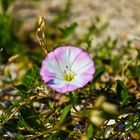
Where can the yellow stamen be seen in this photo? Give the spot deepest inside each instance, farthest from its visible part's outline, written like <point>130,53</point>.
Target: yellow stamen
<point>69,77</point>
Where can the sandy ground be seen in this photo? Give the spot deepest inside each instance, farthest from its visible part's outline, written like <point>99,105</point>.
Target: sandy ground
<point>122,15</point>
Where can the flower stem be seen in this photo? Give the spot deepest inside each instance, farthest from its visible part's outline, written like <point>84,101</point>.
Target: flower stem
<point>44,132</point>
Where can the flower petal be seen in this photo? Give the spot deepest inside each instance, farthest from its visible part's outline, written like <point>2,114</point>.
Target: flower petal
<point>51,63</point>
<point>83,63</point>
<point>58,85</point>
<point>66,56</point>
<point>50,67</point>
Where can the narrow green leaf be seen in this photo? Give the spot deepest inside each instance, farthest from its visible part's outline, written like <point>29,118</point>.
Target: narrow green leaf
<point>51,105</point>
<point>98,74</point>
<point>123,95</point>
<point>19,136</point>
<point>115,62</point>
<point>67,31</point>
<point>22,88</point>
<point>31,76</point>
<point>73,98</point>
<point>90,131</point>
<point>124,98</point>
<point>31,117</point>
<point>65,113</point>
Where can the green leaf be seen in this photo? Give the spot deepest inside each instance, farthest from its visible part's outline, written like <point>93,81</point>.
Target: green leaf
<point>115,62</point>
<point>31,117</point>
<point>73,98</point>
<point>123,95</point>
<point>135,70</point>
<point>27,79</point>
<point>67,31</point>
<point>51,105</point>
<point>124,98</point>
<point>22,88</point>
<point>90,131</point>
<point>31,76</point>
<point>98,74</point>
<point>65,113</point>
<point>19,136</point>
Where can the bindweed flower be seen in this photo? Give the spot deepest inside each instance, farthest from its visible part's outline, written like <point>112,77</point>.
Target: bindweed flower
<point>67,69</point>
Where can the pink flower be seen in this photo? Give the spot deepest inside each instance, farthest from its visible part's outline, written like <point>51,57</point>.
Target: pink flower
<point>67,69</point>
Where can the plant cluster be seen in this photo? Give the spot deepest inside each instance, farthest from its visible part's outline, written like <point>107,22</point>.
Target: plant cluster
<point>105,107</point>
